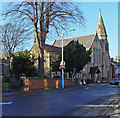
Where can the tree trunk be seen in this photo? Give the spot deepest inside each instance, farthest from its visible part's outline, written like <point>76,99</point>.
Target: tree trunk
<point>40,45</point>
<point>9,62</point>
<point>9,66</point>
<point>41,64</point>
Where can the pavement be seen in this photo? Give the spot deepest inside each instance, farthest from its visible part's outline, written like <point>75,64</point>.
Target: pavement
<point>13,93</point>
<point>105,107</point>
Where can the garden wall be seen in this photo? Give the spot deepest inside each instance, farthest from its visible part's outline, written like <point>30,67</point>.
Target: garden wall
<point>31,84</point>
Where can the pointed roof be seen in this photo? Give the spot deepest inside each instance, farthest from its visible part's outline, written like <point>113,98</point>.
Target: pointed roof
<point>86,40</point>
<point>53,49</point>
<point>100,26</point>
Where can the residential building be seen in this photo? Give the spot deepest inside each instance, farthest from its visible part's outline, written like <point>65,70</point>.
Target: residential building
<point>4,68</point>
<point>117,59</point>
<point>114,65</point>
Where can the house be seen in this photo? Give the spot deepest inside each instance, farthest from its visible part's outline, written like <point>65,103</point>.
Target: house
<point>117,59</point>
<point>115,64</point>
<point>99,68</point>
<point>4,68</point>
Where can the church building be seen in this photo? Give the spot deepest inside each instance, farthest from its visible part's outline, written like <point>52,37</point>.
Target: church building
<point>99,68</point>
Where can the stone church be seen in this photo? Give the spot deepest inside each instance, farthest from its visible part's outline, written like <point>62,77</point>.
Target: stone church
<point>50,54</point>
<point>99,68</point>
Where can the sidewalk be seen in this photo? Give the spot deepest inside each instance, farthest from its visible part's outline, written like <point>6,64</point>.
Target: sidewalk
<point>11,93</point>
<point>35,92</point>
<point>105,107</point>
<point>115,112</point>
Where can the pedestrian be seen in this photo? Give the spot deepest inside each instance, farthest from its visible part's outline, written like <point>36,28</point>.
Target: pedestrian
<point>73,78</point>
<point>79,80</point>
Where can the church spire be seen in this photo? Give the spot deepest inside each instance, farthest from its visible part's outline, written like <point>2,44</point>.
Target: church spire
<point>100,27</point>
<point>100,11</point>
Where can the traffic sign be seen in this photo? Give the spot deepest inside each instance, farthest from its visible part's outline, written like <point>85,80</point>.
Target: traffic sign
<point>62,66</point>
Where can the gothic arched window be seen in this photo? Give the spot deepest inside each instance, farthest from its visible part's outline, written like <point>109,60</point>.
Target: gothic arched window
<point>106,46</point>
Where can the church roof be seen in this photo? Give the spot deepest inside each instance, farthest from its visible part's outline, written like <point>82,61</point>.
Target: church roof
<point>85,40</point>
<point>51,48</point>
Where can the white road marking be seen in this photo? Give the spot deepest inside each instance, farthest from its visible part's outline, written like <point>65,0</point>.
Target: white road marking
<point>6,103</point>
<point>96,105</point>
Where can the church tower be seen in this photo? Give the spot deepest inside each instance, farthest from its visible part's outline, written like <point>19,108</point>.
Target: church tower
<point>101,32</point>
<point>102,35</point>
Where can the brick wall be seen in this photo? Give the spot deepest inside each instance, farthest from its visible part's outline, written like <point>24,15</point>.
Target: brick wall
<point>31,84</point>
<point>36,84</point>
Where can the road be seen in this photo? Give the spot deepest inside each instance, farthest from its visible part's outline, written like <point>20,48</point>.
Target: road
<point>57,103</point>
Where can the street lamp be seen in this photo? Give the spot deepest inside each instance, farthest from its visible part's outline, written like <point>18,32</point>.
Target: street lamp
<point>62,62</point>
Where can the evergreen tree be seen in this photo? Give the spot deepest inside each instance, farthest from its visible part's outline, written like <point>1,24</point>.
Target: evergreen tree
<point>23,63</point>
<point>75,56</point>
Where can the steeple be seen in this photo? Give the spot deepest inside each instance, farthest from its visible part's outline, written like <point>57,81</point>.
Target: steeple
<point>100,30</point>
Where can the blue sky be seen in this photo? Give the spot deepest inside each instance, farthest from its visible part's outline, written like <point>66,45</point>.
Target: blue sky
<point>109,11</point>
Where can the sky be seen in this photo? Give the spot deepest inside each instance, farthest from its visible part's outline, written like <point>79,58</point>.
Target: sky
<point>109,12</point>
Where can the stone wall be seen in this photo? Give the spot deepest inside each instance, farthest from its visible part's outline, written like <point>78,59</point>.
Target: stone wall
<point>31,84</point>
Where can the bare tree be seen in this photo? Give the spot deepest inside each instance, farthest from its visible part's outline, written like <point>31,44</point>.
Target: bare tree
<point>13,36</point>
<point>46,17</point>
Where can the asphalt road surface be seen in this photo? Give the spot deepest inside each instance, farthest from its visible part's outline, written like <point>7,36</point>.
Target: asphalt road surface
<point>57,103</point>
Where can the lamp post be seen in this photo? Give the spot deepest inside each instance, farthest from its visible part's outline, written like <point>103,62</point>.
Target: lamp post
<point>62,62</point>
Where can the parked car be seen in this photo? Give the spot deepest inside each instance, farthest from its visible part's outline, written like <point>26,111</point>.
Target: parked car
<point>114,81</point>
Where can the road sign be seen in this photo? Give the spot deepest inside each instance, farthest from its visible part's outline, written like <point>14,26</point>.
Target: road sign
<point>62,66</point>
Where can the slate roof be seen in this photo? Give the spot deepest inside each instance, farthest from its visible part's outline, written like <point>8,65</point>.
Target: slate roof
<point>86,40</point>
<point>51,48</point>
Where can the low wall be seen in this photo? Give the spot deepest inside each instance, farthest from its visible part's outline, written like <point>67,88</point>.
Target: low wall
<point>31,84</point>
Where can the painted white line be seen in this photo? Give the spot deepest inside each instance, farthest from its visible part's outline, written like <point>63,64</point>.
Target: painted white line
<point>6,103</point>
<point>95,105</point>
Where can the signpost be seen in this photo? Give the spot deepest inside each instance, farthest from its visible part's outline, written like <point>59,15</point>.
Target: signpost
<point>62,62</point>
<point>62,66</point>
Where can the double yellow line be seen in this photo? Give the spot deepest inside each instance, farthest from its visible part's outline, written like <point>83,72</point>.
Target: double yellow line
<point>106,113</point>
